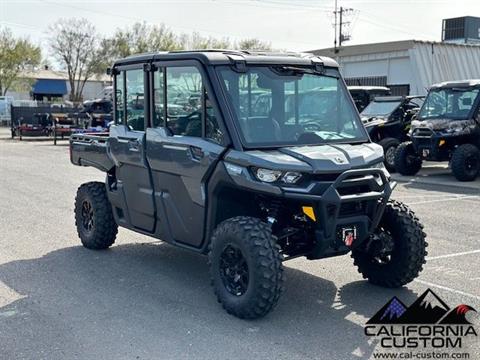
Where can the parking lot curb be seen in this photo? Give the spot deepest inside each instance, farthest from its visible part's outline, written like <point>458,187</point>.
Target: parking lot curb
<point>435,182</point>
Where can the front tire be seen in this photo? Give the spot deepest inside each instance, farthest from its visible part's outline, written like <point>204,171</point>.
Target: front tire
<point>466,162</point>
<point>94,220</point>
<point>404,260</point>
<point>389,148</point>
<point>246,267</point>
<point>407,162</point>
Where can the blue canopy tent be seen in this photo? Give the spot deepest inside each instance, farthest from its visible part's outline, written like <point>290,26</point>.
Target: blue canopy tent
<point>49,88</point>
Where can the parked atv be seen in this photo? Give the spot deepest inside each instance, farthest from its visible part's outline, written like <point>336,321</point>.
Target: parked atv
<point>447,128</point>
<point>251,191</point>
<point>387,120</point>
<point>363,95</point>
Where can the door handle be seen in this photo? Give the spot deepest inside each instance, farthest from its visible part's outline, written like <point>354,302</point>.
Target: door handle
<point>197,153</point>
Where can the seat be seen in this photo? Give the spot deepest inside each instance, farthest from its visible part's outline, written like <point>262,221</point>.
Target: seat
<point>260,129</point>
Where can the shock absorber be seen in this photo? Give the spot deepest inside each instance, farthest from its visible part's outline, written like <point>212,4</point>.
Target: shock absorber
<point>272,212</point>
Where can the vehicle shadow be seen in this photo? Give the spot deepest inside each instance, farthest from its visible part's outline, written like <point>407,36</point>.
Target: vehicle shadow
<point>155,301</point>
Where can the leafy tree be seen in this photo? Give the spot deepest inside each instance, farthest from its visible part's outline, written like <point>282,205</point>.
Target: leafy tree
<point>74,44</point>
<point>254,44</point>
<point>16,56</point>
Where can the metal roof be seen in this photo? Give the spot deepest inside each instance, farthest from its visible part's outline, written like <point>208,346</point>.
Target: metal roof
<point>364,49</point>
<point>225,57</point>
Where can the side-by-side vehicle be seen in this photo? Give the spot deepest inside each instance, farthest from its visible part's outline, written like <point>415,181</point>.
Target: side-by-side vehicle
<point>199,167</point>
<point>447,128</point>
<point>387,120</point>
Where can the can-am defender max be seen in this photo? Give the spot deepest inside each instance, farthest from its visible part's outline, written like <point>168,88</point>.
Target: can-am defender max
<point>387,120</point>
<point>251,191</point>
<point>447,128</point>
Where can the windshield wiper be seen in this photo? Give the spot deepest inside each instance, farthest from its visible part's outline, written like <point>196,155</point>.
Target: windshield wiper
<point>289,70</point>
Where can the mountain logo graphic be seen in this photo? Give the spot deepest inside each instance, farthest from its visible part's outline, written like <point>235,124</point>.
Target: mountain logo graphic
<point>429,308</point>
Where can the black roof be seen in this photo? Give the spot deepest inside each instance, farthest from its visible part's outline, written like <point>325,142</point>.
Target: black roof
<point>223,57</point>
<point>397,98</point>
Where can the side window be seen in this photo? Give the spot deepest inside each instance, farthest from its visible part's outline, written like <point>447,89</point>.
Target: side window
<point>158,98</point>
<point>119,98</point>
<point>189,111</point>
<point>184,101</point>
<point>135,99</point>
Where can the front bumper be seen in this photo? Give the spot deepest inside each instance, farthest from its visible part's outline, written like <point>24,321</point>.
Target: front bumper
<point>355,200</point>
<point>435,146</point>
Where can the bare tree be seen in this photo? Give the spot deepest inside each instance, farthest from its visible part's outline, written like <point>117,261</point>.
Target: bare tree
<point>74,43</point>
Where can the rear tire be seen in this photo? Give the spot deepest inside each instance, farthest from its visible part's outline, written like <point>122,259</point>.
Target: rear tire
<point>246,267</point>
<point>407,162</point>
<point>94,220</point>
<point>465,162</point>
<point>389,148</point>
<point>407,255</point>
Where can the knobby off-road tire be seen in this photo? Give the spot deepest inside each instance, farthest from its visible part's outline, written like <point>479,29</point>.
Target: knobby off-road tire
<point>409,249</point>
<point>406,161</point>
<point>466,162</point>
<point>94,220</point>
<point>389,149</point>
<point>254,239</point>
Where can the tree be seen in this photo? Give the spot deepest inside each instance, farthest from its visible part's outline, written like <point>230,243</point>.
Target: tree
<point>254,44</point>
<point>74,43</point>
<point>138,38</point>
<point>16,56</point>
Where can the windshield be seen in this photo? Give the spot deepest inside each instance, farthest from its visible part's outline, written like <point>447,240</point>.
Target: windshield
<point>380,108</point>
<point>451,103</point>
<point>277,106</point>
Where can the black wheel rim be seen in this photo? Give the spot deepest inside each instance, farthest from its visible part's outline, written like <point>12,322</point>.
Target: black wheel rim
<point>384,247</point>
<point>234,270</point>
<point>87,215</point>
<point>471,164</point>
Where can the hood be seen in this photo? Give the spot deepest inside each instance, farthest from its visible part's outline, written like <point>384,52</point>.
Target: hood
<point>328,158</point>
<point>374,120</point>
<point>443,124</point>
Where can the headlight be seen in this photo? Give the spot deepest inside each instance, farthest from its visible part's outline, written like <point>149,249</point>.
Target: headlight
<point>381,165</point>
<point>267,175</point>
<point>291,177</point>
<point>270,176</point>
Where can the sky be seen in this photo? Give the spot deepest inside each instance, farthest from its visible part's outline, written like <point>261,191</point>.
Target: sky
<point>287,24</point>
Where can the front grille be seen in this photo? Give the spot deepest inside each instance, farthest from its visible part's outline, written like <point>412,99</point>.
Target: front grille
<point>423,132</point>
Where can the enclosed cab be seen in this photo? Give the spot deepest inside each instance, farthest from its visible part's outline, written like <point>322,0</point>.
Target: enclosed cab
<point>363,95</point>
<point>387,120</point>
<point>251,158</point>
<point>446,129</point>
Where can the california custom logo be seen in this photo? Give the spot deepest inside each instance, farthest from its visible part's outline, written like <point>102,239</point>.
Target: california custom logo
<point>428,323</point>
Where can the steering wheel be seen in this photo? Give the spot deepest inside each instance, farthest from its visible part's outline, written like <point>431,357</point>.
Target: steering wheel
<point>311,127</point>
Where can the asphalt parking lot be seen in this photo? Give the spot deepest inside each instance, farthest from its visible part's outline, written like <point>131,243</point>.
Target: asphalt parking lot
<point>143,299</point>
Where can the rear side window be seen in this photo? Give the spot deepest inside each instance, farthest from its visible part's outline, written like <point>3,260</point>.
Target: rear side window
<point>119,95</point>
<point>135,99</point>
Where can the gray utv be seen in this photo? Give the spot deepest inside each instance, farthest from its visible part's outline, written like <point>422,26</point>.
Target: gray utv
<point>251,158</point>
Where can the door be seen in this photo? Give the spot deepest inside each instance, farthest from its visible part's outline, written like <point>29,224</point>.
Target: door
<point>127,149</point>
<point>184,144</point>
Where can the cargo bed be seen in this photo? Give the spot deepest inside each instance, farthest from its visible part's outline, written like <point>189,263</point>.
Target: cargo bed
<point>90,150</point>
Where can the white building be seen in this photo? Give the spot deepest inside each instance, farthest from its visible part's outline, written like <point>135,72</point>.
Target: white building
<point>407,67</point>
<point>49,84</point>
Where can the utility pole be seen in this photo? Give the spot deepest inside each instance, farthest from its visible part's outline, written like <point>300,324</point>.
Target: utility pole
<point>335,25</point>
<point>343,35</point>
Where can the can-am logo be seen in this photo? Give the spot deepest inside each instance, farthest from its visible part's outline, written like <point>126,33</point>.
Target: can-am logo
<point>428,322</point>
